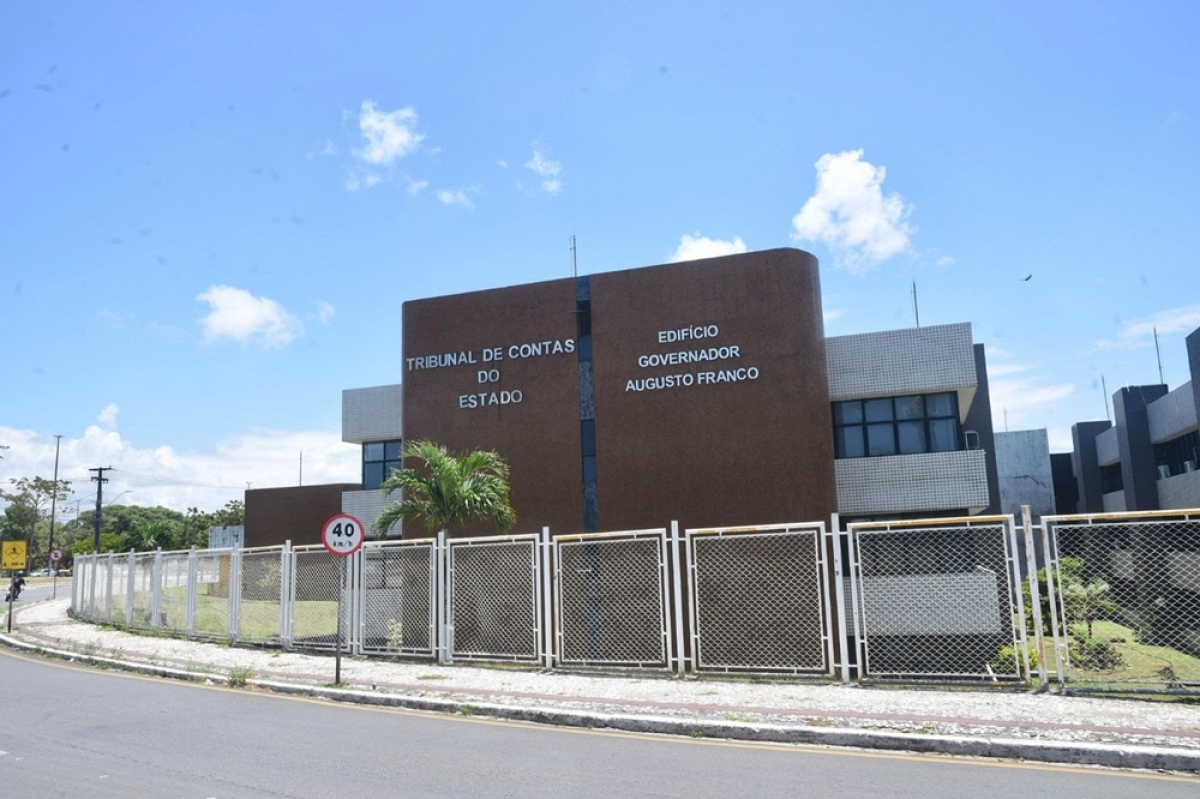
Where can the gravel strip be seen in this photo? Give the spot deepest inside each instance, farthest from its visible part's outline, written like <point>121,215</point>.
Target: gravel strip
<point>918,712</point>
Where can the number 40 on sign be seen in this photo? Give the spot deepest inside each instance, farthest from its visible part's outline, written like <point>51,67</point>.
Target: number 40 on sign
<point>343,534</point>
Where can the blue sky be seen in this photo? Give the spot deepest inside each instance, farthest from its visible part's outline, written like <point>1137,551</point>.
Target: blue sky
<point>210,213</point>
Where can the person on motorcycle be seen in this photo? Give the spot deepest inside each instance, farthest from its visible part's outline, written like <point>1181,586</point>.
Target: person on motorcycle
<point>14,586</point>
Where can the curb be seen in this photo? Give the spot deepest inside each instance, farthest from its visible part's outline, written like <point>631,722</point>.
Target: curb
<point>1115,756</point>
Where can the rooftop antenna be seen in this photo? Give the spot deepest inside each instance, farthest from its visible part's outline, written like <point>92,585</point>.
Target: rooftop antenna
<point>916,310</point>
<point>301,467</point>
<point>1104,388</point>
<point>1006,420</point>
<point>574,258</point>
<point>1158,355</point>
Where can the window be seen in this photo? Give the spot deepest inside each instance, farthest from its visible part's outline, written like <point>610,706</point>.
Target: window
<point>380,458</point>
<point>896,425</point>
<point>1179,455</point>
<point>1111,479</point>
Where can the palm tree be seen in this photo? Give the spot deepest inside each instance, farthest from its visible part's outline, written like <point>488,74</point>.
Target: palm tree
<point>448,489</point>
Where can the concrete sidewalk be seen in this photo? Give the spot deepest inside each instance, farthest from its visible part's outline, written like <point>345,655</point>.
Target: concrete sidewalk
<point>980,722</point>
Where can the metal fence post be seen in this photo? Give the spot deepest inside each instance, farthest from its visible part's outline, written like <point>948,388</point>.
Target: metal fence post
<point>1052,569</point>
<point>130,585</point>
<point>547,613</point>
<point>235,594</point>
<point>192,582</point>
<point>1035,599</point>
<point>445,626</point>
<point>841,624</point>
<point>156,591</point>
<point>287,594</point>
<point>677,600</point>
<point>108,589</point>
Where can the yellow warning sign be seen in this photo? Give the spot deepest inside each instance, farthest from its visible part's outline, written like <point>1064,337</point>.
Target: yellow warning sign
<point>14,555</point>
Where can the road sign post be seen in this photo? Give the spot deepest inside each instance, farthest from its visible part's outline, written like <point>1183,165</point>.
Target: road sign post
<point>342,535</point>
<point>12,557</point>
<point>55,557</point>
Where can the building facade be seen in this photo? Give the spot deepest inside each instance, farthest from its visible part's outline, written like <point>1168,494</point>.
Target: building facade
<point>1148,457</point>
<point>702,392</point>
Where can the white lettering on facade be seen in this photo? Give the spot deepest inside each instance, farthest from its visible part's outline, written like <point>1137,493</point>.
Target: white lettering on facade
<point>688,333</point>
<point>659,383</point>
<point>689,356</point>
<point>487,399</point>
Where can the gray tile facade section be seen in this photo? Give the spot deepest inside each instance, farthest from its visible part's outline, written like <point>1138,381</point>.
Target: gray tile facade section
<point>1108,451</point>
<point>979,419</point>
<point>1114,502</point>
<point>372,414</point>
<point>1023,462</point>
<point>1173,415</point>
<point>1086,466</point>
<point>935,481</point>
<point>1180,491</point>
<point>366,507</point>
<point>916,360</point>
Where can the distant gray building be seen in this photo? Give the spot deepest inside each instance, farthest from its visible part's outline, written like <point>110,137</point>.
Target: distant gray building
<point>1149,457</point>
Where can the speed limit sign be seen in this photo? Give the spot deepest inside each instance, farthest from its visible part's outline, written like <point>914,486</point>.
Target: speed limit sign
<point>343,534</point>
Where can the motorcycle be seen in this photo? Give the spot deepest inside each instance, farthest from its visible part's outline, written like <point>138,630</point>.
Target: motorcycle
<point>14,592</point>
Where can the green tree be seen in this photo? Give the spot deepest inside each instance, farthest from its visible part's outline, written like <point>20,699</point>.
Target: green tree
<point>29,502</point>
<point>447,490</point>
<point>1088,602</point>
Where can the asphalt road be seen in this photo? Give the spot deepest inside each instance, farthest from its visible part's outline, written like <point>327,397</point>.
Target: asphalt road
<point>74,731</point>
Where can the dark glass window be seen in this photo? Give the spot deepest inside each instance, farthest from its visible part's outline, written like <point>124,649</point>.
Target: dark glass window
<point>1111,479</point>
<point>379,459</point>
<point>896,425</point>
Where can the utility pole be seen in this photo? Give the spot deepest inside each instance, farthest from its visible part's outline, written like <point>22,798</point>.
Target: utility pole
<point>99,480</point>
<point>53,505</point>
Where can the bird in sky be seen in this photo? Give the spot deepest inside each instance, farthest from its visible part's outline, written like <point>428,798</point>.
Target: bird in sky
<point>1027,277</point>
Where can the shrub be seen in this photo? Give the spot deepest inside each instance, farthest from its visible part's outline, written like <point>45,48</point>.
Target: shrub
<point>1095,653</point>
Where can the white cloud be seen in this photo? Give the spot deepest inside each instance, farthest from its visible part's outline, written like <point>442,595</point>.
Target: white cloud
<point>162,476</point>
<point>1021,396</point>
<point>502,163</point>
<point>692,248</point>
<point>239,315</point>
<point>108,416</point>
<point>362,180</point>
<point>850,214</point>
<point>457,196</point>
<point>549,170</point>
<point>325,312</point>
<point>417,186</point>
<point>830,314</point>
<point>390,134</point>
<point>1140,332</point>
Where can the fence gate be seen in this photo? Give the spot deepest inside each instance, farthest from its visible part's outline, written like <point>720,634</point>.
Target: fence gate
<point>759,599</point>
<point>316,580</point>
<point>1127,594</point>
<point>257,603</point>
<point>398,601</point>
<point>938,600</point>
<point>611,601</point>
<point>494,585</point>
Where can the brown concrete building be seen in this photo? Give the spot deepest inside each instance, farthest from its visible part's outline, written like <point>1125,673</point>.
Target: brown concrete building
<point>702,392</point>
<point>628,399</point>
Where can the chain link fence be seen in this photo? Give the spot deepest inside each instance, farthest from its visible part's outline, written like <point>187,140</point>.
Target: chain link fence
<point>315,592</point>
<point>759,599</point>
<point>1126,589</point>
<point>935,600</point>
<point>258,575</point>
<point>211,595</point>
<point>610,599</point>
<point>143,586</point>
<point>938,600</point>
<point>398,590</point>
<point>494,589</point>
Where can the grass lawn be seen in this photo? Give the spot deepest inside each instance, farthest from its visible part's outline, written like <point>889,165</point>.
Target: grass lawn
<point>1142,662</point>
